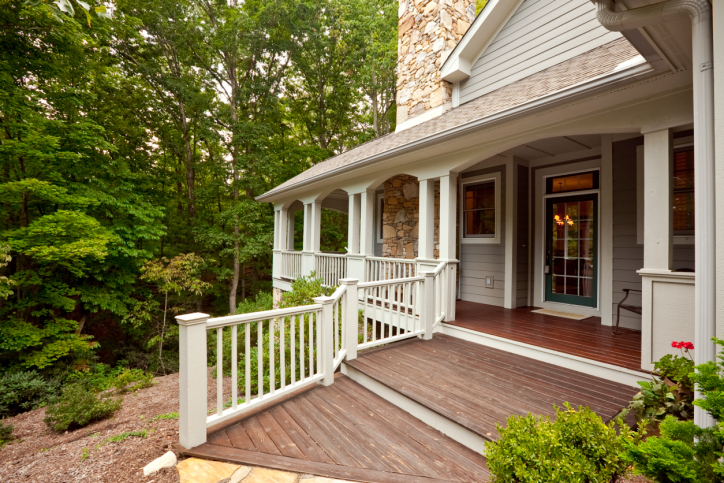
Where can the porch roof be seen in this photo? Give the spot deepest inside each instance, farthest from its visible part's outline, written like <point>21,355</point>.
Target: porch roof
<point>605,60</point>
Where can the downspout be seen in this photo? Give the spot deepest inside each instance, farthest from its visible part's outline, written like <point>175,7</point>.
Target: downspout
<point>699,11</point>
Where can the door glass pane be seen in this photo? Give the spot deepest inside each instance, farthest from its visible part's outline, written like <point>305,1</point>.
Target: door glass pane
<point>572,244</point>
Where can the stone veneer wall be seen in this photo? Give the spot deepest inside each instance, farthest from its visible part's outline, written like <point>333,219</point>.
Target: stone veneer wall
<point>400,217</point>
<point>428,32</point>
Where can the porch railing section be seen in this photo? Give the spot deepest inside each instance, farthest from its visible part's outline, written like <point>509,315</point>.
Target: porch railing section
<point>331,267</point>
<point>383,268</point>
<point>441,276</point>
<point>284,350</point>
<point>291,264</point>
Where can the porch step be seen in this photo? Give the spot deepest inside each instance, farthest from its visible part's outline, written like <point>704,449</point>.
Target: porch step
<point>465,389</point>
<point>343,431</point>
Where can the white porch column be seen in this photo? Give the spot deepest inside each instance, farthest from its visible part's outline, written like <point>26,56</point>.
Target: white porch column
<point>283,239</point>
<point>448,236</point>
<point>278,241</point>
<point>718,13</point>
<point>355,261</point>
<point>658,211</point>
<point>606,231</point>
<point>426,221</point>
<point>658,229</point>
<point>290,230</point>
<point>367,223</point>
<point>312,213</point>
<point>511,233</point>
<point>316,208</point>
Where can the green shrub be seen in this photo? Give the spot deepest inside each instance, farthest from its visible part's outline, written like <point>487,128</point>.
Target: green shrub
<point>683,453</point>
<point>23,391</point>
<point>131,380</point>
<point>576,447</point>
<point>6,434</point>
<point>78,407</point>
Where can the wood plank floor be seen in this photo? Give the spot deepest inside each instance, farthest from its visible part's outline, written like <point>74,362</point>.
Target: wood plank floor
<point>345,431</point>
<point>478,386</point>
<point>585,338</point>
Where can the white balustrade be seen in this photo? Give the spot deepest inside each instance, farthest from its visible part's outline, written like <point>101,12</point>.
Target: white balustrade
<point>383,268</point>
<point>331,267</point>
<point>286,349</point>
<point>291,264</point>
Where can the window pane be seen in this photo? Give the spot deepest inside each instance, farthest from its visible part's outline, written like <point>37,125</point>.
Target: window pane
<point>480,196</point>
<point>480,209</point>
<point>684,211</point>
<point>684,191</point>
<point>684,170</point>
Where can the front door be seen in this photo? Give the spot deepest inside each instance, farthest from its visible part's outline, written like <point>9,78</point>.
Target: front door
<point>571,269</point>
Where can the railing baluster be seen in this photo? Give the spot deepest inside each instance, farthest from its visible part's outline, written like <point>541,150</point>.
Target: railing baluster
<point>260,359</point>
<point>219,370</point>
<point>301,347</point>
<point>292,348</point>
<point>234,367</point>
<point>310,332</point>
<point>365,292</point>
<point>319,342</point>
<point>247,362</point>
<point>272,367</point>
<point>282,353</point>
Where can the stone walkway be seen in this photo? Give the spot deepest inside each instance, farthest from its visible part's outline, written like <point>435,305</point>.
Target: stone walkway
<point>194,470</point>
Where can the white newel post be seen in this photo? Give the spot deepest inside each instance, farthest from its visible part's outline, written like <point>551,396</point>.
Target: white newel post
<point>192,379</point>
<point>326,326</point>
<point>355,260</point>
<point>351,317</point>
<point>448,237</point>
<point>427,312</point>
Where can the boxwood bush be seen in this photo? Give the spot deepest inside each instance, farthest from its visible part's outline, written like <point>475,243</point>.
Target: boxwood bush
<point>575,447</point>
<point>78,406</point>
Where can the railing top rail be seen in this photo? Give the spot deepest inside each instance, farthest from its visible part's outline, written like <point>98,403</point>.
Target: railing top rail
<point>393,281</point>
<point>391,259</point>
<point>332,255</point>
<point>439,268</point>
<point>263,315</point>
<point>291,251</point>
<point>339,292</point>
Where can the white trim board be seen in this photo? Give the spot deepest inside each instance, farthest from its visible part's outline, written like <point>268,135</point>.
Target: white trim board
<point>579,364</point>
<point>446,426</point>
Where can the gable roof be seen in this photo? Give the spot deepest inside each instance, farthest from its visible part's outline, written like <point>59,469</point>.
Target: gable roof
<point>613,58</point>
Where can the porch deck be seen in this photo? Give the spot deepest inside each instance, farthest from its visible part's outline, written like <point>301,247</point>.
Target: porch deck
<point>346,431</point>
<point>584,338</point>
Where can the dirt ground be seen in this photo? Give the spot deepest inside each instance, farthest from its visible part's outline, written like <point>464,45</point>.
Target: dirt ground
<point>42,455</point>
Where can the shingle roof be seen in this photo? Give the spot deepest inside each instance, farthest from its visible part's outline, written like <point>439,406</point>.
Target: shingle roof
<point>594,63</point>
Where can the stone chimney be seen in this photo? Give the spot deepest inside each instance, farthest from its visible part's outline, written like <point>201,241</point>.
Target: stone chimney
<point>428,31</point>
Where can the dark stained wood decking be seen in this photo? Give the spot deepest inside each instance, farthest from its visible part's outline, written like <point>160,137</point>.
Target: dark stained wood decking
<point>345,431</point>
<point>585,338</point>
<point>478,386</point>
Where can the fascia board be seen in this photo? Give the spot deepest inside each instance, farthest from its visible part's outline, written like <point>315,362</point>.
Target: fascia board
<point>478,37</point>
<point>588,87</point>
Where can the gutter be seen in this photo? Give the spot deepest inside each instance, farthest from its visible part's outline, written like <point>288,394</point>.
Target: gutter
<point>699,11</point>
<point>550,100</point>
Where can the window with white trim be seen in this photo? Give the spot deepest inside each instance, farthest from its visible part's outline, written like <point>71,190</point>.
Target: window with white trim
<point>480,204</point>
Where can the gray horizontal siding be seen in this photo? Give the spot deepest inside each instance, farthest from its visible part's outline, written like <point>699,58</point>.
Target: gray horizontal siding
<point>539,35</point>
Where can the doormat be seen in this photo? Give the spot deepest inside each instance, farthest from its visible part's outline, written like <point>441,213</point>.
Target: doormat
<point>565,315</point>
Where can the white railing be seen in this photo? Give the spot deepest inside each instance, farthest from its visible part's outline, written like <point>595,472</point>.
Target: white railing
<point>441,275</point>
<point>284,350</point>
<point>382,268</point>
<point>330,267</point>
<point>391,310</point>
<point>291,264</point>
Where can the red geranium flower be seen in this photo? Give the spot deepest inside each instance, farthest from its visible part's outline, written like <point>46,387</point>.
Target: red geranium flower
<point>688,346</point>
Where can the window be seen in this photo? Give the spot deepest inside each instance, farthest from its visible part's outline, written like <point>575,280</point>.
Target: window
<point>479,210</point>
<point>572,182</point>
<point>684,191</point>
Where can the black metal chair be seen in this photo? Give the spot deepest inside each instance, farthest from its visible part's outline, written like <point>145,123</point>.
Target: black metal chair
<point>631,308</point>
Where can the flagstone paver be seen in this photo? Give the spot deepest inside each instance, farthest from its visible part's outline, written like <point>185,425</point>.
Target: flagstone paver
<point>195,470</point>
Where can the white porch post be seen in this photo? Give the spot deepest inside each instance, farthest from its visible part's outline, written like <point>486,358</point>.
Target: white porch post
<point>276,251</point>
<point>283,239</point>
<point>718,29</point>
<point>312,213</point>
<point>426,240</point>
<point>355,260</point>
<point>367,223</point>
<point>290,230</point>
<point>192,379</point>
<point>658,228</point>
<point>606,237</point>
<point>448,236</point>
<point>511,233</point>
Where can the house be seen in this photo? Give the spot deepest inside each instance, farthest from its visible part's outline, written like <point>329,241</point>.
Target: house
<point>554,155</point>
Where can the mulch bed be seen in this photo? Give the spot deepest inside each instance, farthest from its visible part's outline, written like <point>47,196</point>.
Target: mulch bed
<point>42,455</point>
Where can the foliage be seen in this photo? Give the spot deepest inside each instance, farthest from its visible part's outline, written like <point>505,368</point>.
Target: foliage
<point>173,415</point>
<point>479,5</point>
<point>576,447</point>
<point>23,391</point>
<point>670,392</point>
<point>6,434</point>
<point>683,453</point>
<point>304,290</point>
<point>120,438</point>
<point>78,407</point>
<point>131,380</point>
<point>101,377</point>
<point>5,282</point>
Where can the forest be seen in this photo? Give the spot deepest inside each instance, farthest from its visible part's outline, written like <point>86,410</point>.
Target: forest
<point>134,139</point>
